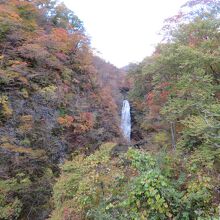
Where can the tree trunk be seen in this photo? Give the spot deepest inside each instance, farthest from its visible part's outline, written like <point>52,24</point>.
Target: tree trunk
<point>173,134</point>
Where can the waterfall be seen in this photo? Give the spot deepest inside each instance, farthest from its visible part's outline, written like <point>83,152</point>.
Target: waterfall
<point>126,120</point>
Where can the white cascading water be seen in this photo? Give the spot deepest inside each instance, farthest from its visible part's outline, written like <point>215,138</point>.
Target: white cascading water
<point>126,120</point>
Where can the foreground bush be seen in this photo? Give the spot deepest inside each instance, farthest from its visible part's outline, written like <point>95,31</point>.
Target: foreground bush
<point>136,185</point>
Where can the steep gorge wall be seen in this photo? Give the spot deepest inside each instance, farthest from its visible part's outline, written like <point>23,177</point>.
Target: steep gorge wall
<point>51,102</point>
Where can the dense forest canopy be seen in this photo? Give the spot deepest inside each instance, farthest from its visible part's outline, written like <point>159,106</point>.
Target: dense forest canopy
<point>62,155</point>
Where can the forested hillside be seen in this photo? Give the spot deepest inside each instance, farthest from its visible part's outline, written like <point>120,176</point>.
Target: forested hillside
<point>62,155</point>
<point>51,102</point>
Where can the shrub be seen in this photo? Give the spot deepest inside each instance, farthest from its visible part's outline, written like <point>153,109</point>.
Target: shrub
<point>5,110</point>
<point>10,207</point>
<point>83,182</point>
<point>134,186</point>
<point>161,138</point>
<point>49,92</point>
<point>66,121</point>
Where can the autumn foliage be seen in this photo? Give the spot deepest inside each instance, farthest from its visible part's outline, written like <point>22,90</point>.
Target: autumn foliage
<point>176,101</point>
<point>65,121</point>
<point>51,101</point>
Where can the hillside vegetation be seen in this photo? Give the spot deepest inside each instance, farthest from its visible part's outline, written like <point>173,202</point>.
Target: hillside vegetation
<point>52,102</point>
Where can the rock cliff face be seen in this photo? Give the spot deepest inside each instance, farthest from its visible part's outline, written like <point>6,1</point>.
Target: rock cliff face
<point>136,132</point>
